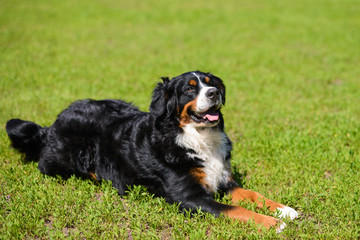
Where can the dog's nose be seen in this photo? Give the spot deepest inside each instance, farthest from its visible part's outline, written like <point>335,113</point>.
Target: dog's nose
<point>213,94</point>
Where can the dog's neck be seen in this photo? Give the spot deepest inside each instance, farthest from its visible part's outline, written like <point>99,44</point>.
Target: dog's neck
<point>211,146</point>
<point>202,139</point>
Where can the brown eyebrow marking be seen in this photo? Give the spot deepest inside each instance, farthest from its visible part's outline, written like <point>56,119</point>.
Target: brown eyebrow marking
<point>192,82</point>
<point>207,79</point>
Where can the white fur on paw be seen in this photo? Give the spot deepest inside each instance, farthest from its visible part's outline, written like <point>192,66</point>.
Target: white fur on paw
<point>288,212</point>
<point>281,228</point>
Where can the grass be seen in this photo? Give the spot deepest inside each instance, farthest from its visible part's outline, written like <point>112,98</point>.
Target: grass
<point>292,74</point>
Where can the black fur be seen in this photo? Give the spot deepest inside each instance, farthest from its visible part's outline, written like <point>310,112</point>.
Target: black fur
<point>115,141</point>
<point>26,137</point>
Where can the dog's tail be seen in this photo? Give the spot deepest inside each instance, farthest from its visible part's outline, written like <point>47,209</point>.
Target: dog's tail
<point>27,137</point>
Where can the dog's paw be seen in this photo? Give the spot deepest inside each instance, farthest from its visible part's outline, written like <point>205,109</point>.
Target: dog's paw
<point>281,227</point>
<point>288,212</point>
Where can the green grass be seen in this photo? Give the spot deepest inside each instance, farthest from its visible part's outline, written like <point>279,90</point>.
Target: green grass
<point>292,74</point>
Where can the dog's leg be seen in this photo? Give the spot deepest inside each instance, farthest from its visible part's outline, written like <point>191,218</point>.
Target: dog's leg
<point>245,215</point>
<point>208,204</point>
<point>240,194</point>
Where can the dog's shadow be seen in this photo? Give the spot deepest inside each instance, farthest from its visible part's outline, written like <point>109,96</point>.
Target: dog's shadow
<point>239,177</point>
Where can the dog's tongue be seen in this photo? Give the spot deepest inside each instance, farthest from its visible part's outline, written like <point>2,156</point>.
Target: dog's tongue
<point>211,116</point>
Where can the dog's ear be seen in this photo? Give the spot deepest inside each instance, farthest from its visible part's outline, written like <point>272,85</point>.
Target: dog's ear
<point>159,98</point>
<point>157,106</point>
<point>164,102</point>
<point>219,85</point>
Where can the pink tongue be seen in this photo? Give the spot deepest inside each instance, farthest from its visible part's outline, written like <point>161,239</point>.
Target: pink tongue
<point>211,117</point>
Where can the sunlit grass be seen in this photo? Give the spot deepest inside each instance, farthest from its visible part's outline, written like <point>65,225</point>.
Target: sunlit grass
<point>292,74</point>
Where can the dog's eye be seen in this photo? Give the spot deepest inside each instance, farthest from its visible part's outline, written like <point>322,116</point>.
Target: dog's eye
<point>190,89</point>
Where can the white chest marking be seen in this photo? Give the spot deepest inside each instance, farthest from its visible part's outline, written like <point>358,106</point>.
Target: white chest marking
<point>210,145</point>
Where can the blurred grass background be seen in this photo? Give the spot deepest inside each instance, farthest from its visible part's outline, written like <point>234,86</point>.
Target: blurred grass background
<point>292,74</point>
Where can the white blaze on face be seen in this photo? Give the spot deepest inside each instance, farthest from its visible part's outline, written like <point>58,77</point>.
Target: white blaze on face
<point>203,103</point>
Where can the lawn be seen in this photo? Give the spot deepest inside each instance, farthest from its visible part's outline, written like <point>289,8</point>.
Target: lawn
<point>293,91</point>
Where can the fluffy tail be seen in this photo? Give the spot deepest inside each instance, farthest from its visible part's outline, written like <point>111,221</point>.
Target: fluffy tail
<point>26,137</point>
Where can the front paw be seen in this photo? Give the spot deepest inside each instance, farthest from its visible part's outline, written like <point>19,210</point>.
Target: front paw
<point>271,222</point>
<point>287,212</point>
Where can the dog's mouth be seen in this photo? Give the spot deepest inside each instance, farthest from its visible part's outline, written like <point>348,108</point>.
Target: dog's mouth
<point>211,116</point>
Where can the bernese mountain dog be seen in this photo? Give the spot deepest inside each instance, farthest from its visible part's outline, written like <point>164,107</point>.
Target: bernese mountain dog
<point>178,151</point>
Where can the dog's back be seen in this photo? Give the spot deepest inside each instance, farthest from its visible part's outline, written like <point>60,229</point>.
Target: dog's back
<point>81,139</point>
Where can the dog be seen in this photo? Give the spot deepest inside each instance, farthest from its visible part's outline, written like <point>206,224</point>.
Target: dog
<point>178,150</point>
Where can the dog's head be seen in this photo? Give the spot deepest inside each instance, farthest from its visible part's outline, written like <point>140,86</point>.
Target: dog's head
<point>192,98</point>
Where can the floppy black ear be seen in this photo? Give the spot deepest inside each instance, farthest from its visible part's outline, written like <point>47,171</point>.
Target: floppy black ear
<point>164,101</point>
<point>158,102</point>
<point>222,92</point>
<point>220,85</point>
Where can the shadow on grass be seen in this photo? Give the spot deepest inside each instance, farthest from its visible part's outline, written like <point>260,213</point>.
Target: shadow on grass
<point>239,177</point>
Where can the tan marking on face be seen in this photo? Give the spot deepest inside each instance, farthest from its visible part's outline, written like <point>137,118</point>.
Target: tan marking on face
<point>193,83</point>
<point>184,116</point>
<point>207,79</point>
